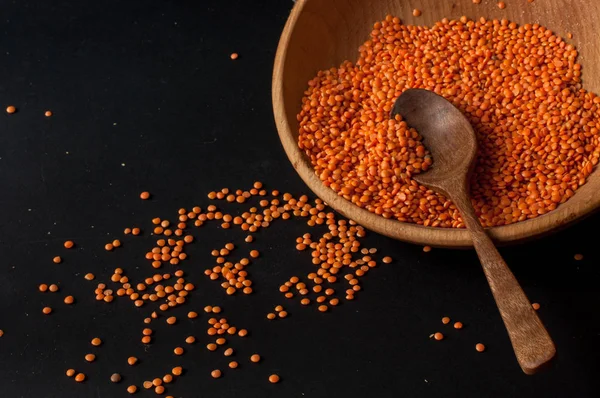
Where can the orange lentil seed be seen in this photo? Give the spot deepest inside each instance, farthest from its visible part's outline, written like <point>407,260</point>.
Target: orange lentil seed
<point>274,378</point>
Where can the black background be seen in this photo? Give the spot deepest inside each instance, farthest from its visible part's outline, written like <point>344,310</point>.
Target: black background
<point>149,84</point>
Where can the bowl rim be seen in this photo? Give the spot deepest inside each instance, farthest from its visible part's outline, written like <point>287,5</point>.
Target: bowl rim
<point>555,220</point>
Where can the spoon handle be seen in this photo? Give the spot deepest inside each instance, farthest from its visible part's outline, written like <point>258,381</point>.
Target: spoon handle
<point>530,340</point>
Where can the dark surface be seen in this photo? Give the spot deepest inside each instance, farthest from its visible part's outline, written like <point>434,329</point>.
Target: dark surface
<point>150,84</point>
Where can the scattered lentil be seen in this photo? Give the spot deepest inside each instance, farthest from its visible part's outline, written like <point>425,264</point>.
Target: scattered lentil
<point>274,378</point>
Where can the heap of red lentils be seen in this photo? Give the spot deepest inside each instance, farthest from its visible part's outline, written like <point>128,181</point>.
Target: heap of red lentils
<point>519,86</point>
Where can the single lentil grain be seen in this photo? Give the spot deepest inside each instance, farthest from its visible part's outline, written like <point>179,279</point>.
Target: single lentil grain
<point>274,378</point>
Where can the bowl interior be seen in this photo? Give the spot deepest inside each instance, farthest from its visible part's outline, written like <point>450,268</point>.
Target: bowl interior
<point>321,34</point>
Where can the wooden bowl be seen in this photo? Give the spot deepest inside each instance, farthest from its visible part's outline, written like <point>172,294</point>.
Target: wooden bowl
<point>320,34</point>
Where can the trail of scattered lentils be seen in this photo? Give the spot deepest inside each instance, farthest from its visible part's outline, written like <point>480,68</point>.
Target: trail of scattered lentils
<point>339,262</point>
<point>519,86</point>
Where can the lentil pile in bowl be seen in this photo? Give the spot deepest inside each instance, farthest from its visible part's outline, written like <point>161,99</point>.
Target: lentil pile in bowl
<point>519,86</point>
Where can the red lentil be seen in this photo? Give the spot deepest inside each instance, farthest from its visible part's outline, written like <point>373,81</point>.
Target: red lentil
<point>438,336</point>
<point>458,325</point>
<point>255,358</point>
<point>69,244</point>
<point>480,347</point>
<point>145,195</point>
<point>535,306</point>
<point>274,378</point>
<point>345,110</point>
<point>216,373</point>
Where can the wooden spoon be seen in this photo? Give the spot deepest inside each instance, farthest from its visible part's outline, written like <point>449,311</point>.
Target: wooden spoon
<point>452,142</point>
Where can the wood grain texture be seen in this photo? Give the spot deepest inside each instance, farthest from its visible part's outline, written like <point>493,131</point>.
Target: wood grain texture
<point>451,140</point>
<point>320,34</point>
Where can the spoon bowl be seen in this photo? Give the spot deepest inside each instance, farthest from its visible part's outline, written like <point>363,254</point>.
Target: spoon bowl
<point>448,135</point>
